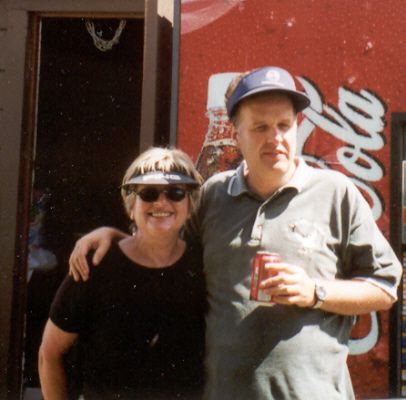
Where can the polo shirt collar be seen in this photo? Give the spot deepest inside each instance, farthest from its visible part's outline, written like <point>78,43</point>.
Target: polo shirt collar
<point>238,184</point>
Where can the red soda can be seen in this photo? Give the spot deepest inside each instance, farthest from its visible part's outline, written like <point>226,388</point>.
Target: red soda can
<point>259,273</point>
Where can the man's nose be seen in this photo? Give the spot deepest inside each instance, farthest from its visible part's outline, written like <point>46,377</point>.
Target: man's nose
<point>274,135</point>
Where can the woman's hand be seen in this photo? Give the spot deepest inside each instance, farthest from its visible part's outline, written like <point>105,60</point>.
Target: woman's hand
<point>99,240</point>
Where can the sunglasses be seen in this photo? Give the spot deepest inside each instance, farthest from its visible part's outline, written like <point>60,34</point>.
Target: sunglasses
<point>152,194</point>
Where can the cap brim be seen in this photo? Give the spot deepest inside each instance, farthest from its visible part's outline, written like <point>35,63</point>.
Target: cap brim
<point>300,100</point>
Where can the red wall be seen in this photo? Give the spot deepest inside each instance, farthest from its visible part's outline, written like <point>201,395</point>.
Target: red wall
<point>351,57</point>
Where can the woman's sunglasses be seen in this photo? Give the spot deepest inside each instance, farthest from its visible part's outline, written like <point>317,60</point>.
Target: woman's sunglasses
<point>151,194</point>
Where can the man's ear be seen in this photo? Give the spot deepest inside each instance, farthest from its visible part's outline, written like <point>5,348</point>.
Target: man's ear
<point>234,133</point>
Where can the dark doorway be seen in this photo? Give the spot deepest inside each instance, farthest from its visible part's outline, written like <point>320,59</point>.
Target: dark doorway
<point>87,133</point>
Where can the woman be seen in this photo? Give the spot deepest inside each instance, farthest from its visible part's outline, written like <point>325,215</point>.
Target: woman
<point>141,328</point>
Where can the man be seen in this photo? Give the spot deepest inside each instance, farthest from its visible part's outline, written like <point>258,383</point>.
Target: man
<point>335,262</point>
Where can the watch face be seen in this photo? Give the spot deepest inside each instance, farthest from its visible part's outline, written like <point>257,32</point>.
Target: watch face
<point>320,292</point>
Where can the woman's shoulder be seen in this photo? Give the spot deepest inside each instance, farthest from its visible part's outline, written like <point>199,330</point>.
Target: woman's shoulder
<point>193,250</point>
<point>114,258</point>
<point>192,258</point>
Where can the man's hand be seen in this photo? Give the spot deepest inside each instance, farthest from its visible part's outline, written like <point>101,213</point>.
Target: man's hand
<point>99,240</point>
<point>289,284</point>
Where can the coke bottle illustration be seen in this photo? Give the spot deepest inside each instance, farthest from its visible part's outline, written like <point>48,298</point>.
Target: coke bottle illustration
<point>219,151</point>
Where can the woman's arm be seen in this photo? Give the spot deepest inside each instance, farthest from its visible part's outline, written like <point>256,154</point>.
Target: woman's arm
<point>99,240</point>
<point>55,344</point>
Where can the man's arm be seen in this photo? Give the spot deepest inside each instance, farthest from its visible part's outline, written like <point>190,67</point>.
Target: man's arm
<point>55,344</point>
<point>355,297</point>
<point>291,285</point>
<point>99,240</point>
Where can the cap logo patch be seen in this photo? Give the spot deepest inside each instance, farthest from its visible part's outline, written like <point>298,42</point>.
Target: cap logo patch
<point>272,77</point>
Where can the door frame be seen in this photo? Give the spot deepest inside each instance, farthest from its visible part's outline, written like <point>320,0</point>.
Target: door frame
<point>18,137</point>
<point>398,155</point>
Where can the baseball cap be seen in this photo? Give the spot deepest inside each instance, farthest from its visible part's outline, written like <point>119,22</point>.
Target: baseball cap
<point>161,178</point>
<point>267,79</point>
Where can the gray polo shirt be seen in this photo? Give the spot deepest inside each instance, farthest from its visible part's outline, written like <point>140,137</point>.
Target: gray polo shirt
<point>318,221</point>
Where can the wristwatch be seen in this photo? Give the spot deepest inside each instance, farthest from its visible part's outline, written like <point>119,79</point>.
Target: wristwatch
<point>320,295</point>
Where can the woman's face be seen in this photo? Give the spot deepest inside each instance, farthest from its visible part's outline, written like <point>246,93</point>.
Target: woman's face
<point>159,213</point>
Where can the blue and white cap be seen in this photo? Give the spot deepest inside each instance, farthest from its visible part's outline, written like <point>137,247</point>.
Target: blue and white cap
<point>267,79</point>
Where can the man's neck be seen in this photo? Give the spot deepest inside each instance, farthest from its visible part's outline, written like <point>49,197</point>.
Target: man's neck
<point>267,183</point>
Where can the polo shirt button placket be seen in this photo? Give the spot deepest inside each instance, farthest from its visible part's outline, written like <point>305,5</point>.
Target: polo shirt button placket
<point>256,234</point>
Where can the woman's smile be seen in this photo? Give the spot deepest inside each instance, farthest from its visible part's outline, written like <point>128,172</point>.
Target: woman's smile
<point>160,214</point>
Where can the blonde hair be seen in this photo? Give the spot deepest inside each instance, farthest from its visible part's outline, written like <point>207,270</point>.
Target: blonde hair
<point>164,160</point>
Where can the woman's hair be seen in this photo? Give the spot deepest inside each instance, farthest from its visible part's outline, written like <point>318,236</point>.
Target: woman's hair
<point>163,160</point>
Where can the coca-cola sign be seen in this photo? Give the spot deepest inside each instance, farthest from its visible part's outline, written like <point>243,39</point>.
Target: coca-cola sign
<point>358,122</point>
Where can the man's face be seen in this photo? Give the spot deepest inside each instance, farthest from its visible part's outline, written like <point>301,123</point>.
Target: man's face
<point>266,130</point>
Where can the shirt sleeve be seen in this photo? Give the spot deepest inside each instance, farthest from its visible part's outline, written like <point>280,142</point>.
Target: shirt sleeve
<point>369,255</point>
<point>68,309</point>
